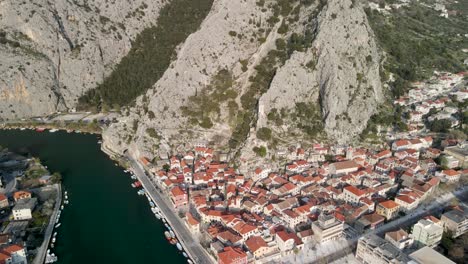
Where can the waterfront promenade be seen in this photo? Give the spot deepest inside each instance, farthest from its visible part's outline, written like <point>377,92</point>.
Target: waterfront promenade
<point>193,248</point>
<point>42,250</point>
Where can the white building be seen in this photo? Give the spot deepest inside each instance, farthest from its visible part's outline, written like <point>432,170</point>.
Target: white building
<point>327,227</point>
<point>427,233</point>
<point>23,209</point>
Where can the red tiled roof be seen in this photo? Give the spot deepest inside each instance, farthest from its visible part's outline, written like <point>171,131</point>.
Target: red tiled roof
<point>254,243</point>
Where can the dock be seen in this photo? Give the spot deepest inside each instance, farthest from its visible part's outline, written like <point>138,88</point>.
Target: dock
<point>42,250</point>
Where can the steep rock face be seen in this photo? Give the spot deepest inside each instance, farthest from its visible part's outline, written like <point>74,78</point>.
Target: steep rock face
<point>340,72</point>
<point>348,65</point>
<point>214,47</point>
<point>337,76</point>
<point>57,50</point>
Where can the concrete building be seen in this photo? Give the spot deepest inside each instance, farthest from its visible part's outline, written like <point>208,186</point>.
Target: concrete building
<point>399,239</point>
<point>23,209</point>
<point>427,233</point>
<point>427,255</point>
<point>459,152</point>
<point>13,254</point>
<point>3,201</point>
<point>327,227</point>
<point>370,221</point>
<point>456,222</point>
<point>372,249</point>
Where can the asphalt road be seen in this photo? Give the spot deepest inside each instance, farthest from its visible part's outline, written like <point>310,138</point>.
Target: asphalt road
<point>193,248</point>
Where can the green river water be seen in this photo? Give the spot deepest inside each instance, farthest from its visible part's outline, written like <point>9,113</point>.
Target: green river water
<point>106,220</point>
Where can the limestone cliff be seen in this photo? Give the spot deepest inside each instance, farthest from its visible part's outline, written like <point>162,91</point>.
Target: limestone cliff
<point>54,51</point>
<point>248,60</point>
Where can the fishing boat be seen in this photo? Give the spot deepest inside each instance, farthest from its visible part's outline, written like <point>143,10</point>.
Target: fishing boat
<point>185,254</point>
<point>40,129</point>
<point>158,216</point>
<point>167,235</point>
<point>179,246</point>
<point>173,241</point>
<point>53,130</point>
<point>57,225</point>
<point>137,184</point>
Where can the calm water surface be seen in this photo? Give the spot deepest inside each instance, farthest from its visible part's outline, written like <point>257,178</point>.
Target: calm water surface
<point>106,221</point>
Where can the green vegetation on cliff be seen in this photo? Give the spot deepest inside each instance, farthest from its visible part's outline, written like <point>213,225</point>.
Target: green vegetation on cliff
<point>150,55</point>
<point>418,41</point>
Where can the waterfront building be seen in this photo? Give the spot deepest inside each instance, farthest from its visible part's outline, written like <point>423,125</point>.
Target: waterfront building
<point>327,227</point>
<point>455,221</point>
<point>427,233</point>
<point>23,209</point>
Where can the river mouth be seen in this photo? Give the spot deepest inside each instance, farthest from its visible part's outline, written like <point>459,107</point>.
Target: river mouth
<point>106,220</point>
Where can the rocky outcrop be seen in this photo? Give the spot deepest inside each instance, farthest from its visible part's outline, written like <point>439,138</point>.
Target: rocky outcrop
<point>337,73</point>
<point>54,51</point>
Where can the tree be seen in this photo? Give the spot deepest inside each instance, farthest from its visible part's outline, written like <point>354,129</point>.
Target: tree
<point>166,167</point>
<point>447,241</point>
<point>440,125</point>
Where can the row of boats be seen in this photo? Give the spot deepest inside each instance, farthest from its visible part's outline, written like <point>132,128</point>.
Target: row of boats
<point>169,234</point>
<point>51,257</point>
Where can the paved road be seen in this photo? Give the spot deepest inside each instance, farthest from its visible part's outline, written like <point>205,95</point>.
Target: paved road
<point>193,248</point>
<point>435,206</point>
<point>42,250</point>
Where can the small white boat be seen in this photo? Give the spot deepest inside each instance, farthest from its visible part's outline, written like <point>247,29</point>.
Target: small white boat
<point>189,261</point>
<point>53,240</point>
<point>57,225</point>
<point>172,233</point>
<point>53,130</point>
<point>185,254</point>
<point>179,246</point>
<point>61,207</point>
<point>167,226</point>
<point>158,216</point>
<point>99,142</point>
<point>55,234</point>
<point>22,128</point>
<point>66,202</point>
<point>133,177</point>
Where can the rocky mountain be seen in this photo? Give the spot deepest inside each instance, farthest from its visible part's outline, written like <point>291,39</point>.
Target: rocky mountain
<point>261,73</point>
<point>54,51</point>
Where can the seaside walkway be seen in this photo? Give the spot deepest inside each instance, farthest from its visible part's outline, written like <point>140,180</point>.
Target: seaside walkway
<point>42,250</point>
<point>193,248</point>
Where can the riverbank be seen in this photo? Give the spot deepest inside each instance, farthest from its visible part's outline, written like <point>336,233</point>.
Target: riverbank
<point>106,221</point>
<point>42,250</point>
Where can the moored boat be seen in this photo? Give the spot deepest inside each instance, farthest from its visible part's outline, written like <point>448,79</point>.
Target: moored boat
<point>179,246</point>
<point>172,233</point>
<point>185,254</point>
<point>57,225</point>
<point>53,130</point>
<point>40,129</point>
<point>167,235</point>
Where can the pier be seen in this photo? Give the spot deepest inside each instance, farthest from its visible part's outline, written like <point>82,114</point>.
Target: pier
<point>42,250</point>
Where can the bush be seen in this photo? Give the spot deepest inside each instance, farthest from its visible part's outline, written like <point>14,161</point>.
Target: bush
<point>264,134</point>
<point>260,151</point>
<point>442,125</point>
